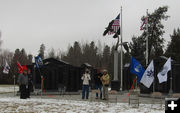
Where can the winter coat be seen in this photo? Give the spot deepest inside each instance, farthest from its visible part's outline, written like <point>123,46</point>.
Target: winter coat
<point>23,79</point>
<point>97,78</point>
<point>86,78</point>
<point>105,80</point>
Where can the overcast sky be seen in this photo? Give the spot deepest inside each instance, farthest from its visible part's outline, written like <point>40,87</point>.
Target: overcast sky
<point>58,23</point>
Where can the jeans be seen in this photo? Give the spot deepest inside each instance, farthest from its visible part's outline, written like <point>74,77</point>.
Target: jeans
<point>99,87</point>
<point>85,91</point>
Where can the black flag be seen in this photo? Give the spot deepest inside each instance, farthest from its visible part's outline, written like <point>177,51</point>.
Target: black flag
<point>109,28</point>
<point>117,33</point>
<point>113,26</point>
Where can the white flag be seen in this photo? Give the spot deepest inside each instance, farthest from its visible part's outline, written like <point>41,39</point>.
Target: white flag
<point>6,68</point>
<point>162,75</point>
<point>148,76</point>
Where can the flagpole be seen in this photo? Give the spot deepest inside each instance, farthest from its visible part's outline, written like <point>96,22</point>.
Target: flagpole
<point>171,91</point>
<point>41,81</point>
<point>116,65</point>
<point>38,60</point>
<point>14,84</point>
<point>147,50</point>
<point>41,85</point>
<point>121,87</point>
<point>14,81</point>
<point>147,42</point>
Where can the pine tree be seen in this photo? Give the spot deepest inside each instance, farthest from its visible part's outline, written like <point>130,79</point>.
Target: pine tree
<point>77,54</point>
<point>156,30</point>
<point>137,47</point>
<point>106,56</point>
<point>41,51</point>
<point>51,53</point>
<point>173,50</point>
<point>154,33</point>
<point>30,57</point>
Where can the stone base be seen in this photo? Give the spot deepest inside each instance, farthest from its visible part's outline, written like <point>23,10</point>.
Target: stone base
<point>115,85</point>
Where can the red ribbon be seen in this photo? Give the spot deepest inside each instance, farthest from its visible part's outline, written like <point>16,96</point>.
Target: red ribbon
<point>130,90</point>
<point>43,84</point>
<point>44,88</point>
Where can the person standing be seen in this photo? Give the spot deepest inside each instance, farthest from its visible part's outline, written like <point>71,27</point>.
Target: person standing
<point>98,83</point>
<point>85,88</point>
<point>105,82</point>
<point>23,83</point>
<point>30,84</point>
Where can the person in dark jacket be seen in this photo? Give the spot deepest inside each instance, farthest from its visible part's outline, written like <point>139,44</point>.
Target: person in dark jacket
<point>98,83</point>
<point>30,84</point>
<point>23,83</point>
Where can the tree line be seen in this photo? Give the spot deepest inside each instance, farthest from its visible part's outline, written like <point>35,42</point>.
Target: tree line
<point>102,55</point>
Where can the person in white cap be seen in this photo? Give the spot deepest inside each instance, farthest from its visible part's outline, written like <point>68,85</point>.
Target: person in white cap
<point>105,82</point>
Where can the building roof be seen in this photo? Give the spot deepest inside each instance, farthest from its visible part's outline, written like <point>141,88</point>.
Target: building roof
<point>87,65</point>
<point>53,60</point>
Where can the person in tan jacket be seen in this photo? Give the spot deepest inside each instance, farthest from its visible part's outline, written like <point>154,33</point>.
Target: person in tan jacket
<point>105,81</point>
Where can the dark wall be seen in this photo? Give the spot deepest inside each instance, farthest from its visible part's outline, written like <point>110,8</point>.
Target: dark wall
<point>127,78</point>
<point>163,87</point>
<point>176,78</point>
<point>58,75</point>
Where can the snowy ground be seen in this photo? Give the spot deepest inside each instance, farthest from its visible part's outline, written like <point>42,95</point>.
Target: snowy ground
<point>8,88</point>
<point>14,104</point>
<point>66,104</point>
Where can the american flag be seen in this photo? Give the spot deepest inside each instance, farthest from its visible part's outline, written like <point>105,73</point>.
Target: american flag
<point>145,21</point>
<point>115,26</point>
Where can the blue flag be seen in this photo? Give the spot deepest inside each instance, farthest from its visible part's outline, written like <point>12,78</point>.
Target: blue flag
<point>38,62</point>
<point>137,68</point>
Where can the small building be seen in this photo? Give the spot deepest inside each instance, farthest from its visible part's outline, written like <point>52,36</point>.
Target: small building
<point>58,74</point>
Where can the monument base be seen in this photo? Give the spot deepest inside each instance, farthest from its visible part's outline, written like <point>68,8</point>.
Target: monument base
<point>115,85</point>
